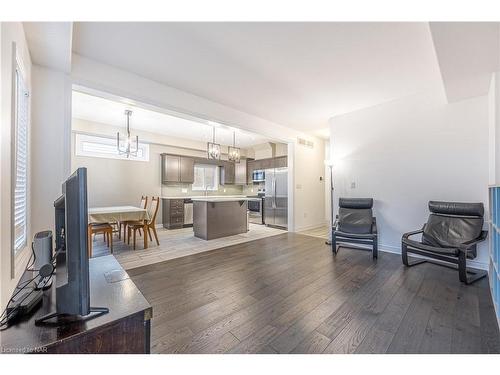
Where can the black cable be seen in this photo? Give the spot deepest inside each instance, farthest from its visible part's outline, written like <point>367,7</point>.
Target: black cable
<point>6,316</point>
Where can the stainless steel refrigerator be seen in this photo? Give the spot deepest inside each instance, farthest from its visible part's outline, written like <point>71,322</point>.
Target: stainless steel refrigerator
<point>276,198</point>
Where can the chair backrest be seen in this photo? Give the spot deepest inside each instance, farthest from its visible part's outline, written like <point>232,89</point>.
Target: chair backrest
<point>355,215</point>
<point>153,209</point>
<point>453,223</point>
<point>144,202</point>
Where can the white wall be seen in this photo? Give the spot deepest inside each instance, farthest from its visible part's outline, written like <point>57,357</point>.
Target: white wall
<point>309,191</point>
<point>494,129</point>
<point>308,199</point>
<point>407,152</point>
<point>10,32</point>
<point>50,142</point>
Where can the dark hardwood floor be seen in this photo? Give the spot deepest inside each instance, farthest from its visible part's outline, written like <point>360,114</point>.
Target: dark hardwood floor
<point>288,294</point>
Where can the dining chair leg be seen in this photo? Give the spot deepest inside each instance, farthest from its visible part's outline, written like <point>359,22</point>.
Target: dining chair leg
<point>156,236</point>
<point>149,233</point>
<point>134,238</point>
<point>119,230</point>
<point>89,244</point>
<point>145,237</point>
<point>128,236</point>
<point>111,241</point>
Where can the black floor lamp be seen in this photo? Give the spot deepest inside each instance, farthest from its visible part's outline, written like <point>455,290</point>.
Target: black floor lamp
<point>329,164</point>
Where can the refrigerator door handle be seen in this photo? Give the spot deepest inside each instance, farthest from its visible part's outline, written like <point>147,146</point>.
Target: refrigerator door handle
<point>275,204</point>
<point>274,193</point>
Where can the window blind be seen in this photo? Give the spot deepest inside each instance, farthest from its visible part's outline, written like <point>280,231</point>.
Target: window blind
<point>21,162</point>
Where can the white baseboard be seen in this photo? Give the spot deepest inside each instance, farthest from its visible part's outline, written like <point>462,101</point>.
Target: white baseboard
<point>313,226</point>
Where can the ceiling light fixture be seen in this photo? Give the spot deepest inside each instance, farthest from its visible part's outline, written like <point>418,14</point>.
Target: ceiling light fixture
<point>234,153</point>
<point>125,147</point>
<point>213,149</point>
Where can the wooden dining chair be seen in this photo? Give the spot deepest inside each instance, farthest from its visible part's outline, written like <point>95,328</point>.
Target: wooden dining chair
<point>150,224</point>
<point>142,204</point>
<point>106,229</point>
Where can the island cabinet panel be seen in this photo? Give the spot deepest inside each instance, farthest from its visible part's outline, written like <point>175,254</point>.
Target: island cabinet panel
<point>216,218</point>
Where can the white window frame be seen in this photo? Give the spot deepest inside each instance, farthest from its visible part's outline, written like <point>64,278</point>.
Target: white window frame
<point>204,186</point>
<point>88,145</point>
<point>20,156</point>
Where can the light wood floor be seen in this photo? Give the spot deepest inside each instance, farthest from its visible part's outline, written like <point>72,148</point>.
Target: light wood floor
<point>174,243</point>
<point>320,232</point>
<point>289,294</point>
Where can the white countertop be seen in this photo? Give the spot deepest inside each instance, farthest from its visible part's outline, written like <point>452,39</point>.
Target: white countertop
<point>221,199</point>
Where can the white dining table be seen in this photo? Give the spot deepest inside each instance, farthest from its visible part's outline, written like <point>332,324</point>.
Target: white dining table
<point>114,214</point>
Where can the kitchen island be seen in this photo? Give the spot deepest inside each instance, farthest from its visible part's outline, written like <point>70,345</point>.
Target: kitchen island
<point>216,217</point>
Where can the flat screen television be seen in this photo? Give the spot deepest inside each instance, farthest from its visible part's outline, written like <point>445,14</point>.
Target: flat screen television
<point>71,222</point>
<point>72,262</point>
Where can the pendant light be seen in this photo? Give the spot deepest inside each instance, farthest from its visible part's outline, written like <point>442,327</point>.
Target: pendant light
<point>125,147</point>
<point>234,153</point>
<point>213,149</point>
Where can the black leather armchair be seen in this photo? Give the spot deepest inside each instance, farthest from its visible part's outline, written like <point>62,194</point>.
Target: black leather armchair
<point>355,224</point>
<point>450,235</point>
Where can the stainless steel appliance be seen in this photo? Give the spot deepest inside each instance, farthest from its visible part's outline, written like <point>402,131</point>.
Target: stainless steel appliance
<point>256,209</point>
<point>188,212</point>
<point>258,176</point>
<point>276,198</point>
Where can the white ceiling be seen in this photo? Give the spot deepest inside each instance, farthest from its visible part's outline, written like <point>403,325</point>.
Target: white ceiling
<point>468,53</point>
<point>111,113</point>
<point>50,44</point>
<point>295,74</point>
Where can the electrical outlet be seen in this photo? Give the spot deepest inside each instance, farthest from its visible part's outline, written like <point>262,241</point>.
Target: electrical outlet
<point>184,190</point>
<point>298,186</point>
<point>224,190</point>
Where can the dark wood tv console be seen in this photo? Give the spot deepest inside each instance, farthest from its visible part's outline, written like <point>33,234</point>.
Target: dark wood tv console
<point>125,329</point>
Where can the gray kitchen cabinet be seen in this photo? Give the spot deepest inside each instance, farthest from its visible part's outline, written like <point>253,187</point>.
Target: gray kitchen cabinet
<point>240,174</point>
<point>173,213</point>
<point>250,168</point>
<point>227,173</point>
<point>176,168</point>
<point>281,162</point>
<point>187,170</point>
<point>170,168</point>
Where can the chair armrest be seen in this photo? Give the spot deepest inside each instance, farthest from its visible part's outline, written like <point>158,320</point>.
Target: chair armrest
<point>467,245</point>
<point>406,235</point>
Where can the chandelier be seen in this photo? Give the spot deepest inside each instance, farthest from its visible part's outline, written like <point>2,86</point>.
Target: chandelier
<point>233,153</point>
<point>125,147</point>
<point>213,149</point>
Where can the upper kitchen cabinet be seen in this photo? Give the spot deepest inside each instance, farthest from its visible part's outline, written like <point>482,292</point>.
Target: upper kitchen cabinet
<point>227,173</point>
<point>240,174</point>
<point>176,168</point>
<point>187,170</point>
<point>281,162</point>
